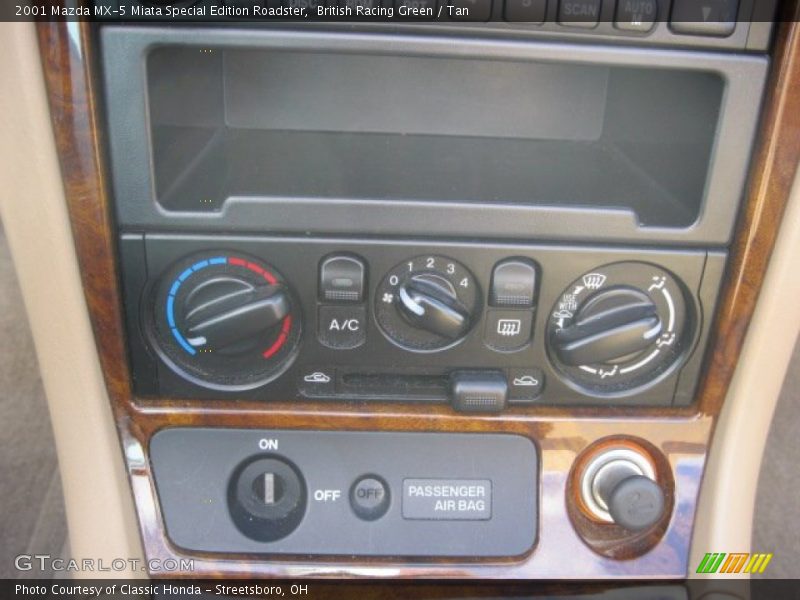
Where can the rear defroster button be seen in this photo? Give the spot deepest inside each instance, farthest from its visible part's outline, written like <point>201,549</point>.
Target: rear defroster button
<point>508,330</point>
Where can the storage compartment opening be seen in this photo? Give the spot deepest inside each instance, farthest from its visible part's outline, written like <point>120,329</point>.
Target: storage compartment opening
<point>285,124</point>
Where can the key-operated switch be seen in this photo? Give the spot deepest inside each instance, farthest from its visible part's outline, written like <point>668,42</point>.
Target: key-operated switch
<point>267,498</point>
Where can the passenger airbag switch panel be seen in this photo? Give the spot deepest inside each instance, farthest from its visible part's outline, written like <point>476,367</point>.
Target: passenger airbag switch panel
<point>347,493</point>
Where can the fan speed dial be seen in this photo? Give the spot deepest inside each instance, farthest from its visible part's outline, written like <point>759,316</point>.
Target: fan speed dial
<point>427,303</point>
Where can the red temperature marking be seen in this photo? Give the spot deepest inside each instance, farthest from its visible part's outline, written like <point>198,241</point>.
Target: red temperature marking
<point>272,280</point>
<point>240,262</point>
<point>263,272</point>
<point>284,335</point>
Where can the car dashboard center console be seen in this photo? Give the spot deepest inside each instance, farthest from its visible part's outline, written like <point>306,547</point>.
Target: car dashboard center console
<point>422,225</point>
<point>435,300</point>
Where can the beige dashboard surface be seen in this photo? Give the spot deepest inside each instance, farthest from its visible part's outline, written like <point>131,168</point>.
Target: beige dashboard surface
<point>728,493</point>
<point>98,501</point>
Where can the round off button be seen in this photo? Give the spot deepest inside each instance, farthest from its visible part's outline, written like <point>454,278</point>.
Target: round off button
<point>369,497</point>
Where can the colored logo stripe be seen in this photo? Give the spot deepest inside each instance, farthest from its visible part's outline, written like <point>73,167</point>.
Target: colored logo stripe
<point>717,562</point>
<point>734,562</point>
<point>711,562</point>
<point>758,563</point>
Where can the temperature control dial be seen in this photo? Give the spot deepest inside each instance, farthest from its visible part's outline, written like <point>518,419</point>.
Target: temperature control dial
<point>427,303</point>
<point>224,321</point>
<point>618,328</point>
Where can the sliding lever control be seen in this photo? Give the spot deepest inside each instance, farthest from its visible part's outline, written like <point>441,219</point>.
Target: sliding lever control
<point>267,498</point>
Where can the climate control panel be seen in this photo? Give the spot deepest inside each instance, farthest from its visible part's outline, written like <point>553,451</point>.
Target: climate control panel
<point>482,327</point>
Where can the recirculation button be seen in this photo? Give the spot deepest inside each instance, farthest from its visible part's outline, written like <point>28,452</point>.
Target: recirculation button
<point>513,284</point>
<point>341,279</point>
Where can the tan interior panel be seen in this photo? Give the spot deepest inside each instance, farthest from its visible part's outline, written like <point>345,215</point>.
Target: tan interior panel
<point>727,499</point>
<point>100,516</point>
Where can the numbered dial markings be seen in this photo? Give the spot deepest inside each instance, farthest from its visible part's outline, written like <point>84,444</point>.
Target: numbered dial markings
<point>427,303</point>
<point>619,328</point>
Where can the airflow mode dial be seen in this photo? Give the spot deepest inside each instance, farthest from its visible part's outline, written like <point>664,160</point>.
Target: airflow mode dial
<point>619,328</point>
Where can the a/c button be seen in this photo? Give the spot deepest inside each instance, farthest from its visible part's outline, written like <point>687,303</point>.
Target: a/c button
<point>342,327</point>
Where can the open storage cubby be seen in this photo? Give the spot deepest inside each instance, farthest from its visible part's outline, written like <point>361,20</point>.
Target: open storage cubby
<point>280,131</point>
<point>310,125</point>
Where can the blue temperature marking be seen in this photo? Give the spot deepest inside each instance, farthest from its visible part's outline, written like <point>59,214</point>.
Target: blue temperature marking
<point>183,342</point>
<point>171,311</point>
<point>173,290</point>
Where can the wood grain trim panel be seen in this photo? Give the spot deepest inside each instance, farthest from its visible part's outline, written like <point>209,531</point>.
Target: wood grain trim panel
<point>680,435</point>
<point>772,172</point>
<point>68,63</point>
